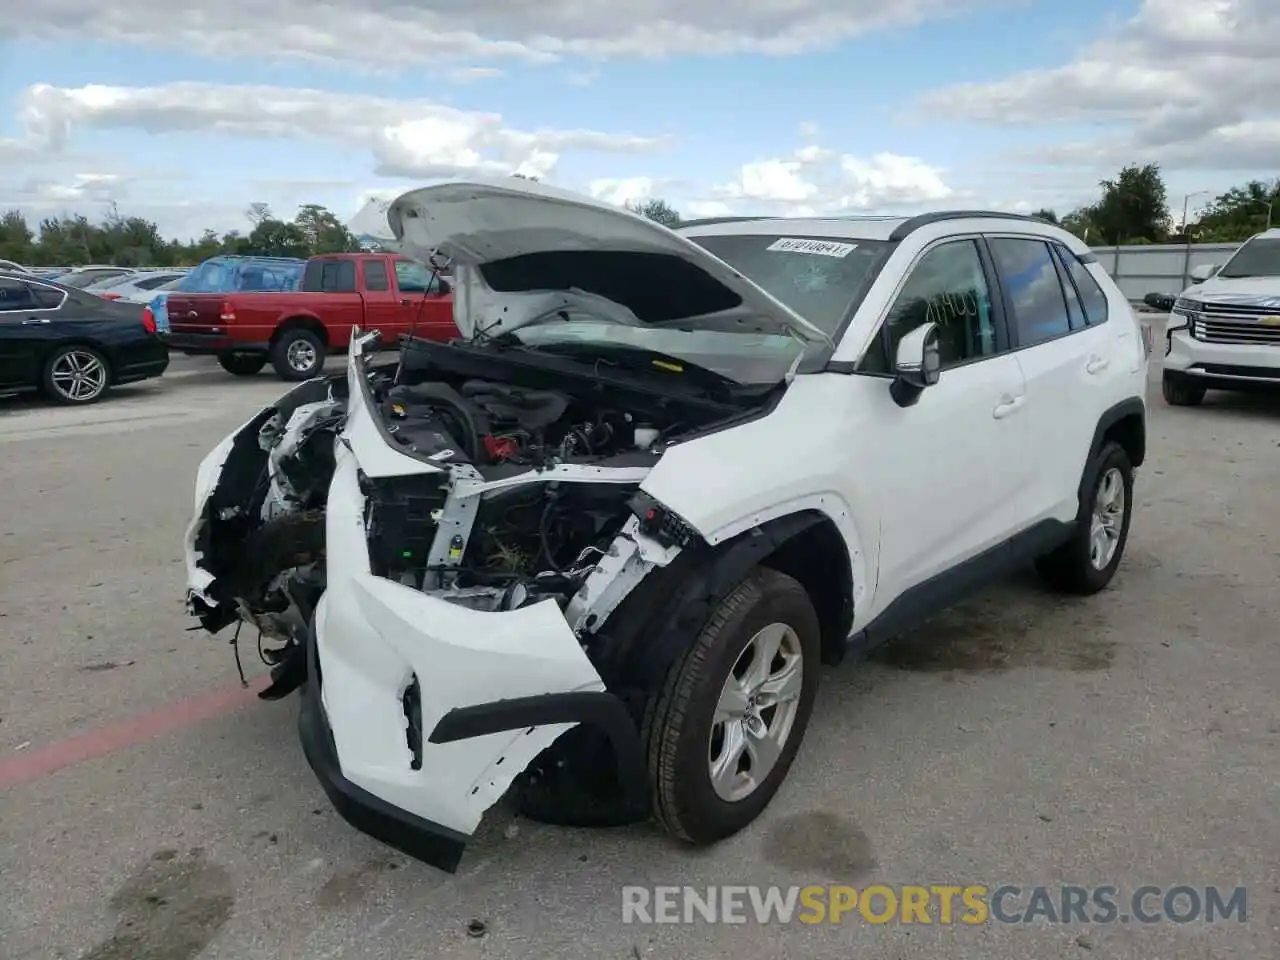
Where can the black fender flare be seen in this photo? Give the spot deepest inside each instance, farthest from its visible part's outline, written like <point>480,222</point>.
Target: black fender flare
<point>658,620</point>
<point>1113,415</point>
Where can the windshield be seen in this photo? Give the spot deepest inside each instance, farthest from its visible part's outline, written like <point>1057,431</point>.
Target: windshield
<point>1256,258</point>
<point>820,278</point>
<point>746,358</point>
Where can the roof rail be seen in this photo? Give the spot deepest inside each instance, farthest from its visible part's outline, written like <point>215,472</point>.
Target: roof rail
<point>709,221</point>
<point>911,224</point>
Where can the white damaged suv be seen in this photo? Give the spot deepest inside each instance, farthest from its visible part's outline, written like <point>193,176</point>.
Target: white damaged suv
<point>599,547</point>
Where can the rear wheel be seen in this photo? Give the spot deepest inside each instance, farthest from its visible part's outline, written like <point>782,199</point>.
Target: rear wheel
<point>1181,391</point>
<point>298,354</point>
<point>75,375</point>
<point>1087,562</point>
<point>242,364</point>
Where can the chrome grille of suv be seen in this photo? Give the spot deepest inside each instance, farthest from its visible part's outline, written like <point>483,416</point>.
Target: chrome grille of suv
<point>1211,329</point>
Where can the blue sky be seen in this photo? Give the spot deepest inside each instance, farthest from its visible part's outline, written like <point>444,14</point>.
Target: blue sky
<point>939,109</point>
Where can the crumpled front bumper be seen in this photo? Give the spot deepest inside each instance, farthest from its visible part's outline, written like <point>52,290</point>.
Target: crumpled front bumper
<point>492,691</point>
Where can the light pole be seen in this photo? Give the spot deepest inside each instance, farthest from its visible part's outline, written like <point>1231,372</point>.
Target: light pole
<point>1186,237</point>
<point>1266,203</point>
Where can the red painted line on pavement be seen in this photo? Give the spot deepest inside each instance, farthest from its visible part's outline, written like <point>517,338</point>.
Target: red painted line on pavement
<point>102,741</point>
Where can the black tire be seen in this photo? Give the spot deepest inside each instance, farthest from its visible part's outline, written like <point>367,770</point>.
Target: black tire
<point>287,353</point>
<point>1071,567</point>
<point>1181,391</point>
<point>242,364</point>
<point>679,723</point>
<point>62,364</point>
<point>574,783</point>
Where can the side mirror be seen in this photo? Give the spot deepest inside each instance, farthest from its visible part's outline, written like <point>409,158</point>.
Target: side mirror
<point>1159,301</point>
<point>1203,272</point>
<point>918,364</point>
<point>442,287</point>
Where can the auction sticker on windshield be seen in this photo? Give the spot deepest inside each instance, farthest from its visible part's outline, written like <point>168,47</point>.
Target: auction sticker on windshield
<point>821,248</point>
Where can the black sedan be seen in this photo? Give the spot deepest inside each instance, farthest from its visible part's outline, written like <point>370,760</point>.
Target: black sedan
<point>71,345</point>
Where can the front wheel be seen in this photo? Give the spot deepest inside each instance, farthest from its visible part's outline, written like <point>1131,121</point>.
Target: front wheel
<point>1087,562</point>
<point>1181,392</point>
<point>726,726</point>
<point>242,364</point>
<point>297,355</point>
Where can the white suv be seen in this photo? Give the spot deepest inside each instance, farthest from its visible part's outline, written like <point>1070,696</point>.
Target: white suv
<point>601,544</point>
<point>1224,332</point>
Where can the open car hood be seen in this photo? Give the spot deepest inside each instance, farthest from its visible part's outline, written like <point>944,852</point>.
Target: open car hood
<point>477,222</point>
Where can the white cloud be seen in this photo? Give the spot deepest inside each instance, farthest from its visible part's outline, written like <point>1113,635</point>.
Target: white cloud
<point>471,74</point>
<point>392,33</point>
<point>623,192</point>
<point>814,181</point>
<point>808,130</point>
<point>1188,83</point>
<point>406,138</point>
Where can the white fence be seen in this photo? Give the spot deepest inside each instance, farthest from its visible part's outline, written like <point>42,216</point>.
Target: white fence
<point>1159,268</point>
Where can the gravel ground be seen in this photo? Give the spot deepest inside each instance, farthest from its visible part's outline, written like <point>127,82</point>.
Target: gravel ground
<point>1129,739</point>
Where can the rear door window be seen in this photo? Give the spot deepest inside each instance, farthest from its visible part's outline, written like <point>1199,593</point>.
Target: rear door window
<point>1036,299</point>
<point>375,275</point>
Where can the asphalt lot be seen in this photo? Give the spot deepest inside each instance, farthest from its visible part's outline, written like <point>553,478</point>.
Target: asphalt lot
<point>1129,739</point>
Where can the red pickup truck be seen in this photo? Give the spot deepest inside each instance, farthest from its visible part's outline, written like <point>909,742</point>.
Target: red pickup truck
<point>296,330</point>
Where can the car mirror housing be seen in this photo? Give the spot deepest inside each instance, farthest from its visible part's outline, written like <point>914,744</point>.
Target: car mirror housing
<point>918,364</point>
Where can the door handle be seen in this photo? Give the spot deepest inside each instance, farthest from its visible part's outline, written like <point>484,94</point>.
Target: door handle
<point>406,302</point>
<point>29,321</point>
<point>1096,364</point>
<point>1007,406</point>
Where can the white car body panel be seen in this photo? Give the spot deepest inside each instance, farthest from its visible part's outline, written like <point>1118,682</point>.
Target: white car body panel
<point>479,221</point>
<point>372,635</point>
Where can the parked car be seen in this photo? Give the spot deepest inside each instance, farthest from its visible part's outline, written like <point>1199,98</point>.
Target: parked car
<point>140,287</point>
<point>1224,330</point>
<point>228,274</point>
<point>72,345</point>
<point>296,330</point>
<point>604,540</point>
<point>82,277</point>
<point>9,266</point>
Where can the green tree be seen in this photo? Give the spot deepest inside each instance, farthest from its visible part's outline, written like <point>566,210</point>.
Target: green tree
<point>1046,214</point>
<point>1134,207</point>
<point>323,231</point>
<point>657,210</point>
<point>17,241</point>
<point>1238,214</point>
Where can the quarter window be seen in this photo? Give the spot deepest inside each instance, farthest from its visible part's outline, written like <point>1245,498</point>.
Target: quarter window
<point>375,275</point>
<point>948,286</point>
<point>1091,295</point>
<point>1039,307</point>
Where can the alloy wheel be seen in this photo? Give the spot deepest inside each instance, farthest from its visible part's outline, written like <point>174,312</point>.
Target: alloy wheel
<point>79,375</point>
<point>1108,518</point>
<point>756,712</point>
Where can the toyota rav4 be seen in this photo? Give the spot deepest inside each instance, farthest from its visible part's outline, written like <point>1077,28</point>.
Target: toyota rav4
<point>597,549</point>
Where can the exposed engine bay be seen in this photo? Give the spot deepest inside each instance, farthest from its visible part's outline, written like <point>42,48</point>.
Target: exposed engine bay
<point>509,488</point>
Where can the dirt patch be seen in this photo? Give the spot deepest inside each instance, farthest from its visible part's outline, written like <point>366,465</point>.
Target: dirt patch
<point>819,842</point>
<point>348,888</point>
<point>1003,629</point>
<point>170,908</point>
